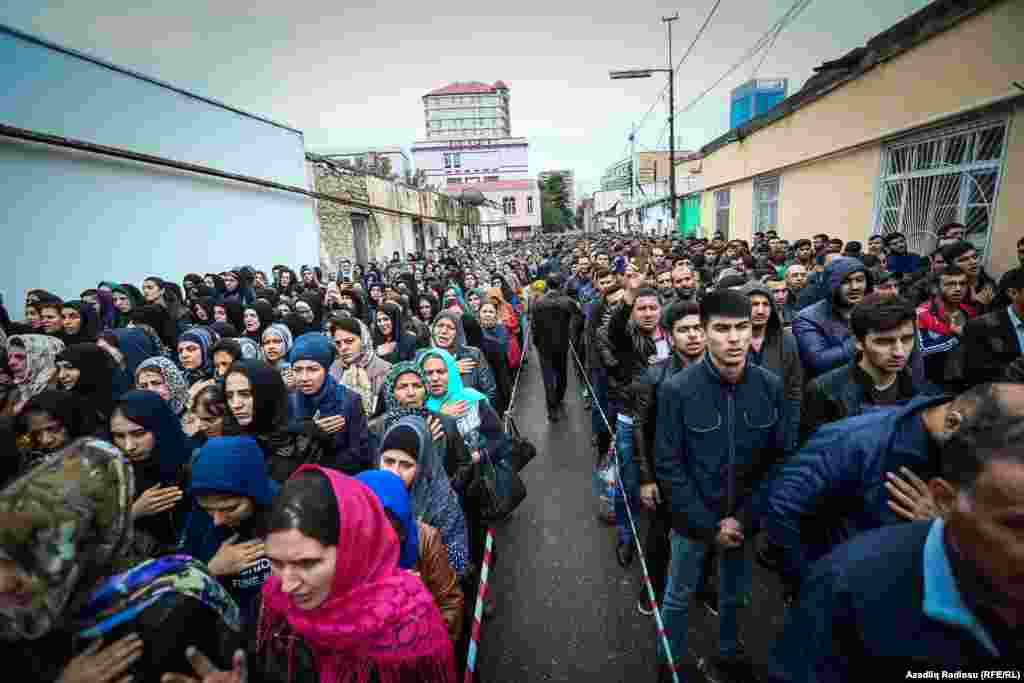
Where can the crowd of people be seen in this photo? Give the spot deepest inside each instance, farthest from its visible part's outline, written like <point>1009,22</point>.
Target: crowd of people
<point>849,418</point>
<point>277,475</point>
<point>278,478</point>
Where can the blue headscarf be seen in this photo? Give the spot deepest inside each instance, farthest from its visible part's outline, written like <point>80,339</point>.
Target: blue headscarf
<point>136,346</point>
<point>205,339</point>
<point>233,465</point>
<point>457,391</point>
<point>314,346</point>
<point>389,488</point>
<point>152,413</point>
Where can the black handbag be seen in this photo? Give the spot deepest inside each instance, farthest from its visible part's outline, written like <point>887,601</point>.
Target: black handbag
<point>521,451</point>
<point>499,488</point>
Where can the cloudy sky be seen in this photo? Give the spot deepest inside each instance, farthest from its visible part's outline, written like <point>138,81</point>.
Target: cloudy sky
<point>352,74</point>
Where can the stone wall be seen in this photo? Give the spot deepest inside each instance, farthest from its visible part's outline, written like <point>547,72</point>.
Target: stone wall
<point>336,239</point>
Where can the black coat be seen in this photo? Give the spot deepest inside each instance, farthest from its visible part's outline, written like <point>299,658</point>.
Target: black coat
<point>990,345</point>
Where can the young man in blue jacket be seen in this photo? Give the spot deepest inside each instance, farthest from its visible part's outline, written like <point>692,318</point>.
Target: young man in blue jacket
<point>723,428</point>
<point>927,596</point>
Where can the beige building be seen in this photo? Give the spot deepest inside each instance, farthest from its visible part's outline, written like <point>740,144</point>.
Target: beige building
<point>922,126</point>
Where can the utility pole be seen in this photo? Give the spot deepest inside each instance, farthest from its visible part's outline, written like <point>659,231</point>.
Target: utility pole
<point>633,180</point>
<point>671,123</point>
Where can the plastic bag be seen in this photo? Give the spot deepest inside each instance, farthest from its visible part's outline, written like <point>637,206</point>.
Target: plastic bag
<point>605,475</point>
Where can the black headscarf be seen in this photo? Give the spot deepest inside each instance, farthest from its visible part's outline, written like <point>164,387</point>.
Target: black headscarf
<point>297,325</point>
<point>66,407</point>
<point>235,313</point>
<point>157,317</point>
<point>225,330</point>
<point>96,381</point>
<point>90,324</point>
<point>265,312</point>
<point>269,396</point>
<point>206,304</point>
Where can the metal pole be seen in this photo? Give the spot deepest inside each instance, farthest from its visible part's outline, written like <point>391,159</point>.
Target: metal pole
<point>671,122</point>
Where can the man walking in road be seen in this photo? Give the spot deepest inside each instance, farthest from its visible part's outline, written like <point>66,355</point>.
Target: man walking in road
<point>556,318</point>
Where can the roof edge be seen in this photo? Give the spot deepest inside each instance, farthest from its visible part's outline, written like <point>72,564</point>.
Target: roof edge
<point>926,23</point>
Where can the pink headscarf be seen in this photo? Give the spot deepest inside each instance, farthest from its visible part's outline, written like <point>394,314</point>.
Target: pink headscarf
<point>378,617</point>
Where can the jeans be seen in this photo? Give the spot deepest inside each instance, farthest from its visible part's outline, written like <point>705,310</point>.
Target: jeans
<point>684,576</point>
<point>630,476</point>
<point>599,381</point>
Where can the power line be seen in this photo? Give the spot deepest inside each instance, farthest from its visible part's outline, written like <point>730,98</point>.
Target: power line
<point>791,14</point>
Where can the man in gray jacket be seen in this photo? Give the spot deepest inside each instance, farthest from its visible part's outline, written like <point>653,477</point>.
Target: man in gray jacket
<point>774,348</point>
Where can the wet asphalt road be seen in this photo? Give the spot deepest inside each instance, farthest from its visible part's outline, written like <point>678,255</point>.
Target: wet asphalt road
<point>566,611</point>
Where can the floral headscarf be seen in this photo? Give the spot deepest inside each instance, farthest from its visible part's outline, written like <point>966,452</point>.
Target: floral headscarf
<point>41,360</point>
<point>356,377</point>
<point>66,522</point>
<point>396,371</point>
<point>172,376</point>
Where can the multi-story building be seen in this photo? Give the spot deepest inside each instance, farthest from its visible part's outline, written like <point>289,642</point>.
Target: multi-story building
<point>754,98</point>
<point>469,143</point>
<point>468,111</point>
<point>398,159</point>
<point>568,177</point>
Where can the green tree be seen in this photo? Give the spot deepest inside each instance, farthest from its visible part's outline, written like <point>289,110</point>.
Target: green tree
<point>555,211</point>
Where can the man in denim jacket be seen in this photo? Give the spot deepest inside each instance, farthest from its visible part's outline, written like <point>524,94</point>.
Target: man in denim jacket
<point>723,429</point>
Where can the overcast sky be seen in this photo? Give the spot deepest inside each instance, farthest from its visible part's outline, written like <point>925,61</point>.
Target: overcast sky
<point>352,74</point>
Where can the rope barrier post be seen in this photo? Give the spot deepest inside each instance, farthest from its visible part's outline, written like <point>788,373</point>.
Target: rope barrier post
<point>478,608</point>
<point>659,622</point>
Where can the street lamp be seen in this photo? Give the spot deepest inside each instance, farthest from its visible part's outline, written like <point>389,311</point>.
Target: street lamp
<point>646,73</point>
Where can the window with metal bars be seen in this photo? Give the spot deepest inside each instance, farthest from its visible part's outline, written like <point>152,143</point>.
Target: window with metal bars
<point>722,212</point>
<point>766,204</point>
<point>945,176</point>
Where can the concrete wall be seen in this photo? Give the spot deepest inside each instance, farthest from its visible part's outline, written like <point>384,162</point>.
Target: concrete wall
<point>72,219</point>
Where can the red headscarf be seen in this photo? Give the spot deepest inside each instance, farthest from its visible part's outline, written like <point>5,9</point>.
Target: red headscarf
<point>378,617</point>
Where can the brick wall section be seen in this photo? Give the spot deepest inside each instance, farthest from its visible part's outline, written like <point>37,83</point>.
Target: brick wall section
<point>385,232</point>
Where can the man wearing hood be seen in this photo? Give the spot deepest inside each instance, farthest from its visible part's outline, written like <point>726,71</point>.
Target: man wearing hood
<point>774,348</point>
<point>229,521</point>
<point>823,330</point>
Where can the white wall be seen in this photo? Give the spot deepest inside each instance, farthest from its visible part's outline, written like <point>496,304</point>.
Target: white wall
<point>72,219</point>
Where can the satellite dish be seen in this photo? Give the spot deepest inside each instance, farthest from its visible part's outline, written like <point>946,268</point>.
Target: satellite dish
<point>472,197</point>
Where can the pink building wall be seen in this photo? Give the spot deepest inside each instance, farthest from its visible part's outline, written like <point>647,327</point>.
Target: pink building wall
<point>508,160</point>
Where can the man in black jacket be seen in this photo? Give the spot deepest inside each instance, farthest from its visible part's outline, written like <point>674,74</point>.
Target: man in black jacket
<point>993,341</point>
<point>556,319</point>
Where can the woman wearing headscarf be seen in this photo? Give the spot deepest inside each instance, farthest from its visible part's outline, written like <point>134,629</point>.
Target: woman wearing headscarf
<point>256,318</point>
<point>163,377</point>
<point>478,422</point>
<point>66,524</point>
<point>393,344</point>
<point>202,311</point>
<point>103,303</point>
<point>89,371</point>
<point>496,354</point>
<point>159,323</point>
<point>126,298</point>
<point>423,551</point>
<point>287,284</point>
<point>50,421</point>
<point>358,367</point>
<point>277,342</point>
<point>134,346</point>
<point>426,308</point>
<point>448,334</point>
<point>230,311</point>
<point>151,437</point>
<point>216,283</point>
<point>407,449</point>
<point>80,323</point>
<point>194,357</point>
<point>366,619</point>
<point>475,297</point>
<point>225,330</point>
<point>510,320</point>
<point>453,299</point>
<point>228,523</point>
<point>321,402</point>
<point>32,359</point>
<point>315,303</point>
<point>257,402</point>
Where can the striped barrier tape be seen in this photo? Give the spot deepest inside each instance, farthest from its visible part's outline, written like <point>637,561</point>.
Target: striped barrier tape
<point>478,609</point>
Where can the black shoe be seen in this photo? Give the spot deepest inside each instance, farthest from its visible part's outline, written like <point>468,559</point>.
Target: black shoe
<point>735,669</point>
<point>624,554</point>
<point>553,415</point>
